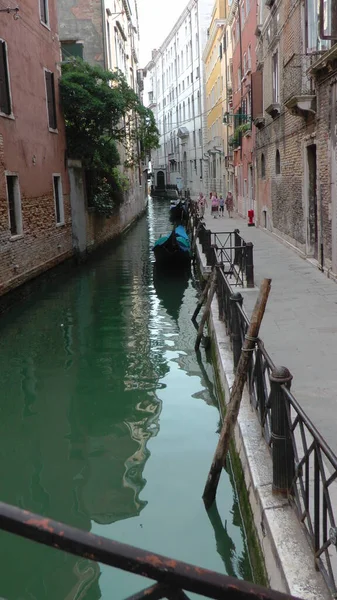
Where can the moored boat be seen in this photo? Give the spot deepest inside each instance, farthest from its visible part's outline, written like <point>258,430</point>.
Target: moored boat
<point>178,212</point>
<point>173,249</point>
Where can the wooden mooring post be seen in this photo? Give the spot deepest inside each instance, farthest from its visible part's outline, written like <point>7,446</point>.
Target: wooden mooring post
<point>203,320</point>
<point>236,394</point>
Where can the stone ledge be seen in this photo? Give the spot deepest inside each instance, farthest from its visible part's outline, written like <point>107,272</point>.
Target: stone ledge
<point>288,558</point>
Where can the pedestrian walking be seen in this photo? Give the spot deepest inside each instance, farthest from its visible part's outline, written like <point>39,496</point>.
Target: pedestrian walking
<point>221,206</point>
<point>214,206</point>
<point>202,204</point>
<point>229,204</point>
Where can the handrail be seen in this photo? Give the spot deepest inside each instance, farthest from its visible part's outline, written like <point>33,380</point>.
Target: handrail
<point>172,576</point>
<point>304,466</point>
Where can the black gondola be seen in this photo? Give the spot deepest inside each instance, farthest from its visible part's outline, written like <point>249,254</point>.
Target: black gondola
<point>178,212</point>
<point>173,250</point>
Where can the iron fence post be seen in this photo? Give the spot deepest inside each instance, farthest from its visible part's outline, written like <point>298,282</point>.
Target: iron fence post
<point>211,256</point>
<point>249,264</point>
<point>236,299</point>
<point>206,241</point>
<point>237,247</point>
<point>282,448</point>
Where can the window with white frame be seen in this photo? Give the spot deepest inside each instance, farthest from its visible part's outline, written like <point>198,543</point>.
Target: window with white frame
<point>58,198</point>
<point>249,58</point>
<point>14,204</point>
<point>51,103</point>
<point>314,42</point>
<point>5,99</point>
<point>44,13</point>
<point>275,78</point>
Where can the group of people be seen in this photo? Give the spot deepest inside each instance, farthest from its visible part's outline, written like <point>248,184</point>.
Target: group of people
<point>217,204</point>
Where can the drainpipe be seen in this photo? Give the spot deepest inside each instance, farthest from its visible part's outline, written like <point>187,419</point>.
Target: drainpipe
<point>241,63</point>
<point>226,88</point>
<point>321,227</point>
<point>104,36</point>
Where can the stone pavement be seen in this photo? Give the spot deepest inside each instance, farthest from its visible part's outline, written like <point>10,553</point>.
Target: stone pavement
<point>299,329</point>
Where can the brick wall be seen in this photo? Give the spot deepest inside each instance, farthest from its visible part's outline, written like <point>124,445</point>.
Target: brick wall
<point>285,133</point>
<point>43,243</point>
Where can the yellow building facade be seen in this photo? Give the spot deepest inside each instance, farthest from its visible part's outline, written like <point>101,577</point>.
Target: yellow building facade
<point>212,57</point>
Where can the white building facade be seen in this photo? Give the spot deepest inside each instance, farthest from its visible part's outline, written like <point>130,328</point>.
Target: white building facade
<point>175,84</point>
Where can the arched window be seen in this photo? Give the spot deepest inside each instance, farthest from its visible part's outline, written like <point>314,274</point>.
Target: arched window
<point>263,166</point>
<point>277,163</point>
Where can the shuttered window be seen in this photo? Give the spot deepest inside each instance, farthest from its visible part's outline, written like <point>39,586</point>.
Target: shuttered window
<point>257,94</point>
<point>50,90</point>
<point>5,102</point>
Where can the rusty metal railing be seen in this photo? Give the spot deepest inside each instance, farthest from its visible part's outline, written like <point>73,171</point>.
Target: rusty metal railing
<point>173,579</point>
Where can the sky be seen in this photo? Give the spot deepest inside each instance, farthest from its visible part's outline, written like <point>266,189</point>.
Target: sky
<point>156,19</point>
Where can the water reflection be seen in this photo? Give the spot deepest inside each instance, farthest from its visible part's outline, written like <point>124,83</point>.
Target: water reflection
<point>170,289</point>
<point>93,367</point>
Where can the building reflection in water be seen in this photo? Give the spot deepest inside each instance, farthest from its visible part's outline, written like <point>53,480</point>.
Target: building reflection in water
<point>80,374</point>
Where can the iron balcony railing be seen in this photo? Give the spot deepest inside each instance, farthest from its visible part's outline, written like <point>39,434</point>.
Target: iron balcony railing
<point>172,579</point>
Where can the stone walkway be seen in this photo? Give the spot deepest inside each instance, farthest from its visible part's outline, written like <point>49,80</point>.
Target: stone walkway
<point>299,329</point>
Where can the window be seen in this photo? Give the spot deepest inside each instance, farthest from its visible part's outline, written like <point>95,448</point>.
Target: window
<point>200,168</point>
<point>200,138</point>
<point>58,197</point>
<point>188,108</point>
<point>247,6</point>
<point>263,167</point>
<point>44,11</point>
<point>199,104</point>
<point>5,100</point>
<point>243,14</point>
<point>51,106</point>
<point>194,140</point>
<point>197,73</point>
<point>277,163</point>
<point>75,49</point>
<point>313,39</point>
<point>244,63</point>
<point>14,204</point>
<point>197,44</point>
<point>249,58</point>
<point>276,90</point>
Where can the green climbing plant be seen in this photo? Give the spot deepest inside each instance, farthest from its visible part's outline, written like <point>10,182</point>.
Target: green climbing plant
<point>101,110</point>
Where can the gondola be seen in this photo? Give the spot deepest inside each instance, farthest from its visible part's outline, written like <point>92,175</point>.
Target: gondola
<point>173,250</point>
<point>178,212</point>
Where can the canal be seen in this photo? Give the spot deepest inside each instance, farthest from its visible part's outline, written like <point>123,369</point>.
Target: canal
<point>109,423</point>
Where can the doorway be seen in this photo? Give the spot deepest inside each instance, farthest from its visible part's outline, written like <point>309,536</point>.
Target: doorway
<point>161,180</point>
<point>312,227</point>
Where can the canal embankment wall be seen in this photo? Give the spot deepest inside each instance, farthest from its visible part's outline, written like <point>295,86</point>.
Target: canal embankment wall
<point>288,558</point>
<point>90,234</point>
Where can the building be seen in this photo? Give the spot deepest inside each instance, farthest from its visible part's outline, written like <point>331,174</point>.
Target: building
<point>104,34</point>
<point>226,61</point>
<point>176,95</point>
<point>243,22</point>
<point>294,108</point>
<point>212,56</point>
<point>35,221</point>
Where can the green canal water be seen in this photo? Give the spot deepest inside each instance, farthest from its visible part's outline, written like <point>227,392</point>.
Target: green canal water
<point>108,422</point>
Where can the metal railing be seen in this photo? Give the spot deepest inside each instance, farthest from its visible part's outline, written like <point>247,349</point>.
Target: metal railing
<point>304,467</point>
<point>230,251</point>
<point>172,578</point>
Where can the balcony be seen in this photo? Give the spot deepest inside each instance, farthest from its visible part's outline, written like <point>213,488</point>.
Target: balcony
<point>299,92</point>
